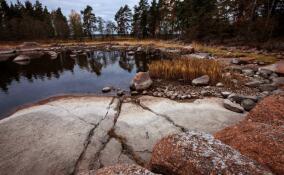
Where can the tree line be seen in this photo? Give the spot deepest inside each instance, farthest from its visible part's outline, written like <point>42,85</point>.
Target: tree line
<point>187,19</point>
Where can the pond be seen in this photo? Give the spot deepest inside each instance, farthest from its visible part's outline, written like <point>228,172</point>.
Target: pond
<point>41,78</point>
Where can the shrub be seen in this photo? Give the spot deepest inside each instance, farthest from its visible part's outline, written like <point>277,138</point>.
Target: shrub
<point>186,69</point>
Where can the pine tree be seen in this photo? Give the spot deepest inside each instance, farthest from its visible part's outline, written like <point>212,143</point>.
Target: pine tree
<point>60,24</point>
<point>100,25</point>
<point>89,21</point>
<point>153,18</point>
<point>123,20</point>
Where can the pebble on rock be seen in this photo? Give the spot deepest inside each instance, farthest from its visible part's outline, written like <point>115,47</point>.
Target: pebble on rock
<point>201,81</point>
<point>106,89</point>
<point>248,104</point>
<point>233,106</point>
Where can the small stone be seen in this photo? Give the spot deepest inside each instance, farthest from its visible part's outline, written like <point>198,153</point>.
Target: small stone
<point>144,92</point>
<point>248,72</point>
<point>205,93</point>
<point>248,104</point>
<point>120,93</point>
<point>235,61</point>
<point>267,87</point>
<point>134,93</point>
<point>226,94</point>
<point>233,106</point>
<point>220,84</point>
<point>106,89</point>
<point>254,83</point>
<point>264,73</point>
<point>141,81</point>
<point>201,81</point>
<point>235,81</point>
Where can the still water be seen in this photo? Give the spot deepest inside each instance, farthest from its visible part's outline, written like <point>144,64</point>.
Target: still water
<point>44,77</point>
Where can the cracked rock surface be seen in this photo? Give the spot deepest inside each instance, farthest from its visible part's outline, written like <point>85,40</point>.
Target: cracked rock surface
<point>76,135</point>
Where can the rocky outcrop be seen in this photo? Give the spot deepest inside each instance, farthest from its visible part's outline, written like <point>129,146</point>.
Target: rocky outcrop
<point>53,138</point>
<point>78,134</point>
<point>199,153</point>
<point>260,136</point>
<point>141,81</point>
<point>269,111</point>
<point>123,170</point>
<point>260,142</point>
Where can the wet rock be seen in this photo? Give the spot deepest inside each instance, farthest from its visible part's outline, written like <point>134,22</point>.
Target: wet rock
<point>233,106</point>
<point>201,81</point>
<point>123,170</point>
<point>267,87</point>
<point>141,81</point>
<point>106,89</point>
<point>200,153</point>
<point>258,141</point>
<point>226,94</point>
<point>248,104</point>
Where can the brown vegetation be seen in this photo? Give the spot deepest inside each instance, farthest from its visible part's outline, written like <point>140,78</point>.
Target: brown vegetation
<point>186,69</point>
<point>260,136</point>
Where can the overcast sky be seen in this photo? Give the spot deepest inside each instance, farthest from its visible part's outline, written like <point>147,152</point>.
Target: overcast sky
<point>103,8</point>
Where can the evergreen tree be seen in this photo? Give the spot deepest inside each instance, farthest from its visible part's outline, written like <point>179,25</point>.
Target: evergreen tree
<point>153,18</point>
<point>141,19</point>
<point>89,21</point>
<point>110,28</point>
<point>100,25</point>
<point>123,20</point>
<point>60,24</point>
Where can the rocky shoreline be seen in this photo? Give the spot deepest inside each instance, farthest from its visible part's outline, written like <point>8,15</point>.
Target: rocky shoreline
<point>158,126</point>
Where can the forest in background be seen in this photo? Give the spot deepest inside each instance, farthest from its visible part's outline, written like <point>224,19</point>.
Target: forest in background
<point>247,20</point>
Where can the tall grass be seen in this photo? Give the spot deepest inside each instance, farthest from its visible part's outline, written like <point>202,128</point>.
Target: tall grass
<point>186,69</point>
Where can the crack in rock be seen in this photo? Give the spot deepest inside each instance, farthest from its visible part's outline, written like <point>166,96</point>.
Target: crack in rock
<point>183,129</point>
<point>127,149</point>
<point>88,140</point>
<point>69,112</point>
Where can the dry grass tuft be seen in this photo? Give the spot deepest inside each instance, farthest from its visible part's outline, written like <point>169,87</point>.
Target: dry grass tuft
<point>186,69</point>
<point>219,52</point>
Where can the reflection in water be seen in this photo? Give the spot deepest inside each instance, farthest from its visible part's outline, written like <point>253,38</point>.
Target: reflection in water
<point>20,84</point>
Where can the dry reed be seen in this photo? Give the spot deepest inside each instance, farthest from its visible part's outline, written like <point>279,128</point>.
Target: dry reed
<point>186,69</point>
